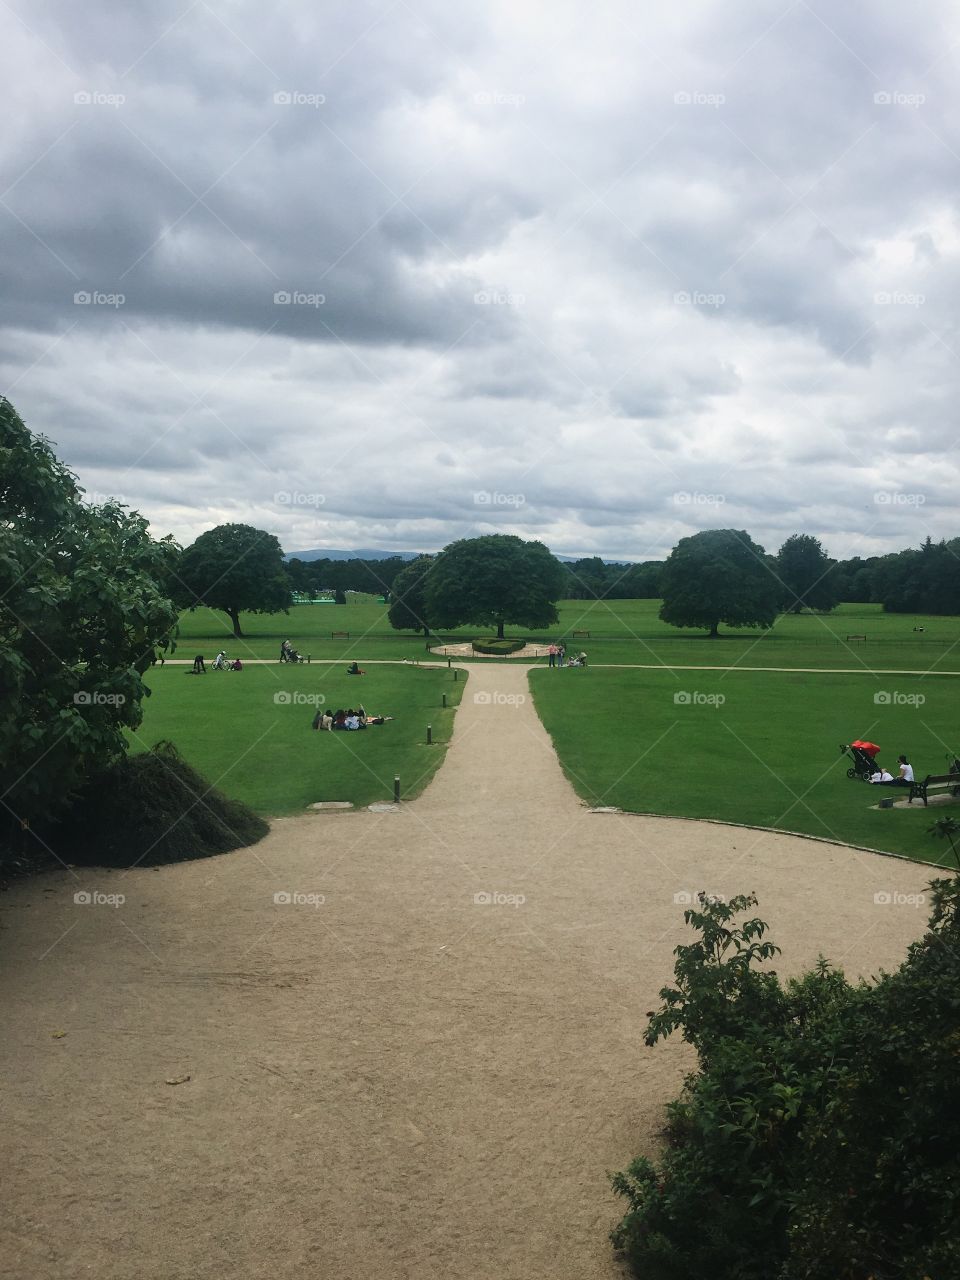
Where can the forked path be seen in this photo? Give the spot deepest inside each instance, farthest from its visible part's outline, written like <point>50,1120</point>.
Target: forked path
<point>427,1074</point>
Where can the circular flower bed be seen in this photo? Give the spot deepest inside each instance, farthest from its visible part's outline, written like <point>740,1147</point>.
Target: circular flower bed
<point>495,646</point>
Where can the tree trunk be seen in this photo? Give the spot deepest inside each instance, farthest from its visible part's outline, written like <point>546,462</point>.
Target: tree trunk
<point>234,616</point>
<point>713,630</point>
<point>500,629</point>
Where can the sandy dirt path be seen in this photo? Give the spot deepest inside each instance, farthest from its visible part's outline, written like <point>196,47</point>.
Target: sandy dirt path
<point>402,1080</point>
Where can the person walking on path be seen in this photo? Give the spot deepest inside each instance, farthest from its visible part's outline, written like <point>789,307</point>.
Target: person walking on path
<point>552,656</point>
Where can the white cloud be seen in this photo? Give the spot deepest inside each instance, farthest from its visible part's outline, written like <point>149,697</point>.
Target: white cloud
<point>566,254</point>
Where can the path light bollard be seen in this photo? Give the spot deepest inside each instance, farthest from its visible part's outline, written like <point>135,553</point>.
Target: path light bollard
<point>444,696</point>
<point>429,735</point>
<point>396,789</point>
<point>309,658</point>
<point>456,672</point>
<point>449,660</point>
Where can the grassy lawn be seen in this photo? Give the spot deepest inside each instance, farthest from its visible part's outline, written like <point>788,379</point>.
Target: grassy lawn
<point>768,755</point>
<point>249,732</point>
<point>621,631</point>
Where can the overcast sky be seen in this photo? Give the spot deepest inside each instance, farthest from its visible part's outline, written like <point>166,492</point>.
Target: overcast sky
<point>392,272</point>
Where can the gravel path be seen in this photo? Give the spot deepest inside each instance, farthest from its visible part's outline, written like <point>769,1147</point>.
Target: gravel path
<point>428,1074</point>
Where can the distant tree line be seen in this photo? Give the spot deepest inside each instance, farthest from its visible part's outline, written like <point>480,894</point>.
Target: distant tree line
<point>916,580</point>
<point>373,576</point>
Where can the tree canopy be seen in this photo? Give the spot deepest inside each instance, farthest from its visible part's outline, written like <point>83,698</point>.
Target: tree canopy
<point>235,568</point>
<point>408,612</point>
<point>804,570</point>
<point>493,580</point>
<point>83,606</point>
<point>716,576</point>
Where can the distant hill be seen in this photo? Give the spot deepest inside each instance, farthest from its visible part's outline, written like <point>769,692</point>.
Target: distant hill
<point>363,553</point>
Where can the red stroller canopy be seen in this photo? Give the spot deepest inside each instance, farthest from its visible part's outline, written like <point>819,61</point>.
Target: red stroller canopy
<point>870,748</point>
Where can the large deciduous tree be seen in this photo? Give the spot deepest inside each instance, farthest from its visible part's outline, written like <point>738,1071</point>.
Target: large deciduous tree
<point>494,580</point>
<point>236,569</point>
<point>84,603</point>
<point>805,570</point>
<point>717,576</point>
<point>408,610</point>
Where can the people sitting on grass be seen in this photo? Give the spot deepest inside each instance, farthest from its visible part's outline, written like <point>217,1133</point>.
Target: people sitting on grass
<point>347,720</point>
<point>236,665</point>
<point>354,669</point>
<point>881,776</point>
<point>904,777</point>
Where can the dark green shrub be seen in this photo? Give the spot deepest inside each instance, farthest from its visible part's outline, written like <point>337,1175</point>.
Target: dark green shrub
<point>155,808</point>
<point>495,646</point>
<point>819,1138</point>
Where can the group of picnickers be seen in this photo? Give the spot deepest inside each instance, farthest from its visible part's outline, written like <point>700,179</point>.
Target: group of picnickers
<point>557,657</point>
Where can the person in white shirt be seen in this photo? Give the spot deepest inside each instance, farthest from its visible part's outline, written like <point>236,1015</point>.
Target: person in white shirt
<point>906,772</point>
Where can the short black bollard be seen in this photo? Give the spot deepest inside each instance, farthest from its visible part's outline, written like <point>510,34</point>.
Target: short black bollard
<point>456,672</point>
<point>449,660</point>
<point>309,659</point>
<point>396,790</point>
<point>429,735</point>
<point>444,699</point>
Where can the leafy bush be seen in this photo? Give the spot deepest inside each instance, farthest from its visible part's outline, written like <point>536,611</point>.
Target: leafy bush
<point>495,646</point>
<point>820,1137</point>
<point>154,808</point>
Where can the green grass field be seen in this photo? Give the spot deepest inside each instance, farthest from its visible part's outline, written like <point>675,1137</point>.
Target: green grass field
<point>621,631</point>
<point>249,733</point>
<point>768,755</point>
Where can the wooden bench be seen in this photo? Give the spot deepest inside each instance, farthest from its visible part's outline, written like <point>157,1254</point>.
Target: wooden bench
<point>934,782</point>
<point>580,635</point>
<point>856,637</point>
<point>339,635</point>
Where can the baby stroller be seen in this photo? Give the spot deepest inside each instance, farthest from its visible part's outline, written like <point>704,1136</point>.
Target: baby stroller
<point>863,755</point>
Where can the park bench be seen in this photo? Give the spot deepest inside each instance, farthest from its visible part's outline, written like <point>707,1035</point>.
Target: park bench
<point>856,637</point>
<point>934,782</point>
<point>581,635</point>
<point>339,635</point>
